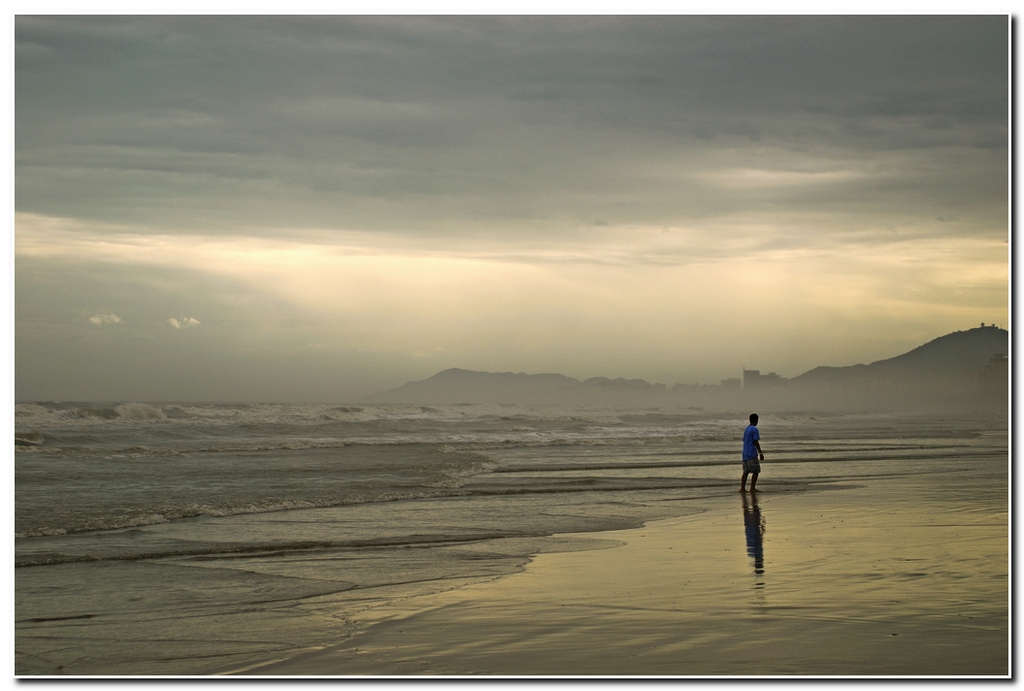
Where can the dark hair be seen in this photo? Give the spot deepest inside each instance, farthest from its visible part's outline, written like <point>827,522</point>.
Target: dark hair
<point>753,418</point>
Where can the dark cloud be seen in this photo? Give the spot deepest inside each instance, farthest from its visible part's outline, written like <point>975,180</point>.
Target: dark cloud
<point>393,122</point>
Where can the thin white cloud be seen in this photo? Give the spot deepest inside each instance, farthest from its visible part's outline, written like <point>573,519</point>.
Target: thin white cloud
<point>104,319</point>
<point>183,323</point>
<point>751,178</point>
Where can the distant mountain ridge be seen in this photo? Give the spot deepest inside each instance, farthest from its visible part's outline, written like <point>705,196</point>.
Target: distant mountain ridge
<point>961,354</point>
<point>466,386</point>
<point>948,370</point>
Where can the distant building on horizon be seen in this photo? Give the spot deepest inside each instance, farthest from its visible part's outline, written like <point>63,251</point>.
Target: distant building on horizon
<point>753,379</point>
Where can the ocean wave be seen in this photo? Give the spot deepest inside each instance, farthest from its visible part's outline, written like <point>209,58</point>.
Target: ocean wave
<point>456,475</point>
<point>279,548</point>
<point>137,430</point>
<point>109,523</point>
<point>250,442</point>
<point>238,414</point>
<point>56,414</point>
<point>29,439</point>
<point>124,519</point>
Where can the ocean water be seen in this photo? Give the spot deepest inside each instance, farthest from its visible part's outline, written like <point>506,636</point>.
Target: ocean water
<point>184,539</point>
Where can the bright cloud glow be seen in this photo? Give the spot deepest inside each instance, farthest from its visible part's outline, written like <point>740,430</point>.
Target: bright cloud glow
<point>481,306</point>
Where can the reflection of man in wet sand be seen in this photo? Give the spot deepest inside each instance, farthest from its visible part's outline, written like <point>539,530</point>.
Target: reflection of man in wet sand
<point>752,454</point>
<point>753,523</point>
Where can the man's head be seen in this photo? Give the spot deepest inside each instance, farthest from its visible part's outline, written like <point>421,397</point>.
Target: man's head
<point>753,418</point>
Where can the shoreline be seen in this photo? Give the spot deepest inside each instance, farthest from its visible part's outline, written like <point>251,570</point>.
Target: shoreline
<point>867,579</point>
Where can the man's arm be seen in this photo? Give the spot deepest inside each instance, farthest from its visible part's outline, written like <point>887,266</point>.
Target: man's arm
<point>757,445</point>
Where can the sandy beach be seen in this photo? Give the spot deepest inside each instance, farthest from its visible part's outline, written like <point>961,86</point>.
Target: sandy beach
<point>893,576</point>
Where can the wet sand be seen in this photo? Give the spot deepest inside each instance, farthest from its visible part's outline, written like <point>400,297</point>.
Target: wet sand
<point>893,576</point>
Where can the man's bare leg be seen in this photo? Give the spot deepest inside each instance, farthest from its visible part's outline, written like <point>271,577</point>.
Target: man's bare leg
<point>753,482</point>
<point>743,482</point>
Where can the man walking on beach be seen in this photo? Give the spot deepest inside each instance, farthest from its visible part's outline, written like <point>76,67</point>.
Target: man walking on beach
<point>752,454</point>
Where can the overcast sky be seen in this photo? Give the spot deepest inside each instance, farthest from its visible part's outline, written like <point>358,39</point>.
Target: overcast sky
<point>319,208</point>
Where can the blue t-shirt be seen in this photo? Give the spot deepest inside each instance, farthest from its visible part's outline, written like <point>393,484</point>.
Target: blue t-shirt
<point>749,450</point>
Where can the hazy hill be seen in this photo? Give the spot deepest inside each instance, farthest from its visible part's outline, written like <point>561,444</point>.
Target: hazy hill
<point>465,386</point>
<point>952,372</point>
<point>961,355</point>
